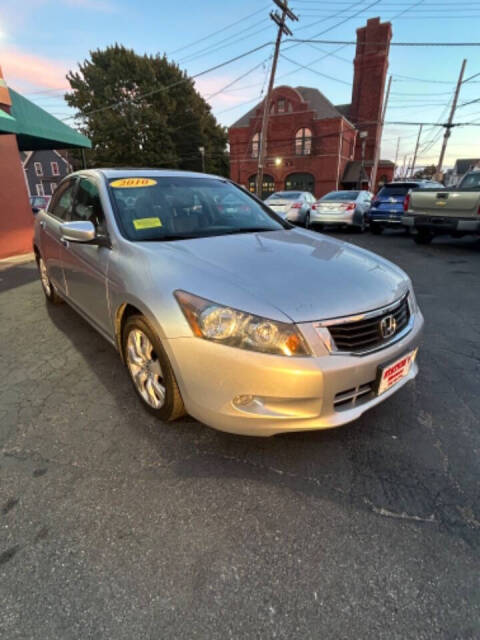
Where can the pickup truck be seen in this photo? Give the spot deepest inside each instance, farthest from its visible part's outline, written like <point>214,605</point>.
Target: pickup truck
<point>454,211</point>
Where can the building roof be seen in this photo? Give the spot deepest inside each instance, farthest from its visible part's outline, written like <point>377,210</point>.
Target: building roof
<point>321,105</point>
<point>353,172</point>
<point>462,165</point>
<point>344,109</point>
<point>36,129</point>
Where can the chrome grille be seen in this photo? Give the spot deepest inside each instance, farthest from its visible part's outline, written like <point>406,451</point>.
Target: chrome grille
<point>363,335</point>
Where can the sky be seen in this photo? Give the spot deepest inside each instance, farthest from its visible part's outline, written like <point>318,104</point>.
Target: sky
<point>40,40</point>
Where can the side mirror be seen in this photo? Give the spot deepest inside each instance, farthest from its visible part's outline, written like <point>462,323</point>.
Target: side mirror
<point>78,231</point>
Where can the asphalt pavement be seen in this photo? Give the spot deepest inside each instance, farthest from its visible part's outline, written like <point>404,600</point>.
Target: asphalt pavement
<point>116,526</point>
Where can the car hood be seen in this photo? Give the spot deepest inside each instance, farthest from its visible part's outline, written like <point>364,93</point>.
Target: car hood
<point>305,275</point>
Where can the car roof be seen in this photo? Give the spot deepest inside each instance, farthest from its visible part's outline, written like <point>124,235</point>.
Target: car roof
<point>129,172</point>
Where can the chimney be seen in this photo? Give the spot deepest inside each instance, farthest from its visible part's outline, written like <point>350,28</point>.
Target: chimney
<point>370,64</point>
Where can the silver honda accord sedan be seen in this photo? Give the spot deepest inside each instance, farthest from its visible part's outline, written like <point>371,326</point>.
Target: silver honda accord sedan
<point>222,309</point>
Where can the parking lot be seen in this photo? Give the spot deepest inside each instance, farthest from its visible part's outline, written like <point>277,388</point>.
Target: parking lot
<point>114,525</point>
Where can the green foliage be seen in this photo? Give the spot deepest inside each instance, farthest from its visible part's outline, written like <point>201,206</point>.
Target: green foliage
<point>150,124</point>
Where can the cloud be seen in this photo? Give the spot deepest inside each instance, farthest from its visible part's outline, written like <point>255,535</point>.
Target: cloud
<point>210,85</point>
<point>27,71</point>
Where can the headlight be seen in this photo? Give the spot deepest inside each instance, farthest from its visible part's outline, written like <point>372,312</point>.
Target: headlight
<point>228,326</point>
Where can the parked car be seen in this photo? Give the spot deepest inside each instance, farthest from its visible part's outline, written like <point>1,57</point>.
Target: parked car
<point>39,202</point>
<point>293,206</point>
<point>344,208</point>
<point>388,205</point>
<point>244,321</point>
<point>454,212</point>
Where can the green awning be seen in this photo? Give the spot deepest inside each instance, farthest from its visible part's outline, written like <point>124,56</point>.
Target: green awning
<point>36,129</point>
<point>7,123</point>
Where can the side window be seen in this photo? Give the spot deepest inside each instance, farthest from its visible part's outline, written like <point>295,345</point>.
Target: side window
<point>61,203</point>
<point>87,204</point>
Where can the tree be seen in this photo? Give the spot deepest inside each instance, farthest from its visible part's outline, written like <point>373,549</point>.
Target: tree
<point>144,111</point>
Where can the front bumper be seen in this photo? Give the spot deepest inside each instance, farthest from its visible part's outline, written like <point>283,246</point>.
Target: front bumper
<point>276,394</point>
<point>442,224</point>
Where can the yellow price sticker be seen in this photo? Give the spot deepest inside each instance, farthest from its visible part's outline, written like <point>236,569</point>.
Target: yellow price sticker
<point>133,183</point>
<point>147,223</point>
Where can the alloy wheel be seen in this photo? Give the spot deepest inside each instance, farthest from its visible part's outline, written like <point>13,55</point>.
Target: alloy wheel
<point>145,369</point>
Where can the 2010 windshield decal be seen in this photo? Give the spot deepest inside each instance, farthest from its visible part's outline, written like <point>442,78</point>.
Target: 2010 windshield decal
<point>133,183</point>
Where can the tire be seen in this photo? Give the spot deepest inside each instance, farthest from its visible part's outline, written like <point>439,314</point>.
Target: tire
<point>150,371</point>
<point>423,237</point>
<point>48,289</point>
<point>376,229</point>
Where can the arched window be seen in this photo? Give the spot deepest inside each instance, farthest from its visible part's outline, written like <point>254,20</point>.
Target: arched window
<point>255,145</point>
<point>300,182</point>
<point>303,142</point>
<point>268,185</point>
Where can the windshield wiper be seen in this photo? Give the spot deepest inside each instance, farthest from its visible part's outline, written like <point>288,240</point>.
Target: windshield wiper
<point>249,230</point>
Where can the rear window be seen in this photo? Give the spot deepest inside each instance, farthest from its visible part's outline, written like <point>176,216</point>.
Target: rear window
<point>285,195</point>
<point>341,196</point>
<point>397,189</point>
<point>471,181</point>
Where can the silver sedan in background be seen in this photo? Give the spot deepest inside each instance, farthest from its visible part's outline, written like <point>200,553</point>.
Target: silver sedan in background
<point>341,208</point>
<point>220,308</point>
<point>293,206</point>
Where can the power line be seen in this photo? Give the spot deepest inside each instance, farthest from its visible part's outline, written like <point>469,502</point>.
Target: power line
<point>318,73</point>
<point>397,44</point>
<point>215,33</point>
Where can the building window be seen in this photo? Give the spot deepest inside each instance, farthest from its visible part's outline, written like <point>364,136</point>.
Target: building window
<point>39,188</point>
<point>54,168</point>
<point>303,142</point>
<point>300,182</point>
<point>53,186</point>
<point>255,145</point>
<point>268,185</point>
<point>281,105</point>
<point>38,169</point>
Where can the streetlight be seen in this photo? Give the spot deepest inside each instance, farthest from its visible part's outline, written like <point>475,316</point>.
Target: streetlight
<point>363,137</point>
<point>278,162</point>
<point>202,153</point>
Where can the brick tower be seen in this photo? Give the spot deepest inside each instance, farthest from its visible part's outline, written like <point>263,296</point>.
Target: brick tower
<point>370,72</point>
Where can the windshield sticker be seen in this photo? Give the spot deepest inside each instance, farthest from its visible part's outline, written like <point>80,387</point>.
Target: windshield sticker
<point>147,223</point>
<point>132,183</point>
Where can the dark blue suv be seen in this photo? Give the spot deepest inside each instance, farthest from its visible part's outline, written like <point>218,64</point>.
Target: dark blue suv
<point>387,206</point>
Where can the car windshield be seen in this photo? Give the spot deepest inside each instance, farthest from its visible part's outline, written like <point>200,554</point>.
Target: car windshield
<point>285,195</point>
<point>158,208</point>
<point>401,189</point>
<point>340,196</point>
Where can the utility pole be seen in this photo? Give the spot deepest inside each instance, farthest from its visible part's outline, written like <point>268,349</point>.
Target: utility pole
<point>282,29</point>
<point>403,168</point>
<point>396,157</point>
<point>408,169</point>
<point>416,150</point>
<point>378,141</point>
<point>449,125</point>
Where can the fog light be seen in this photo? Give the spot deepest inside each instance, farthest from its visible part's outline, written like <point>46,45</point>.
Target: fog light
<point>242,401</point>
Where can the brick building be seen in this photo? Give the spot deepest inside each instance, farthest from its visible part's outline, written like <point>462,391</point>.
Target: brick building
<point>312,144</point>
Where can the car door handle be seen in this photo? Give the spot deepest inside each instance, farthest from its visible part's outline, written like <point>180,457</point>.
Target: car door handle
<point>43,224</point>
<point>64,242</point>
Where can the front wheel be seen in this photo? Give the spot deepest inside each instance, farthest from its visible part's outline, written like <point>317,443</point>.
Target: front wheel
<point>48,289</point>
<point>423,237</point>
<point>150,370</point>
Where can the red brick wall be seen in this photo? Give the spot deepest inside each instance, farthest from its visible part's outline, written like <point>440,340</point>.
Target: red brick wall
<point>371,64</point>
<point>332,146</point>
<point>16,218</point>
